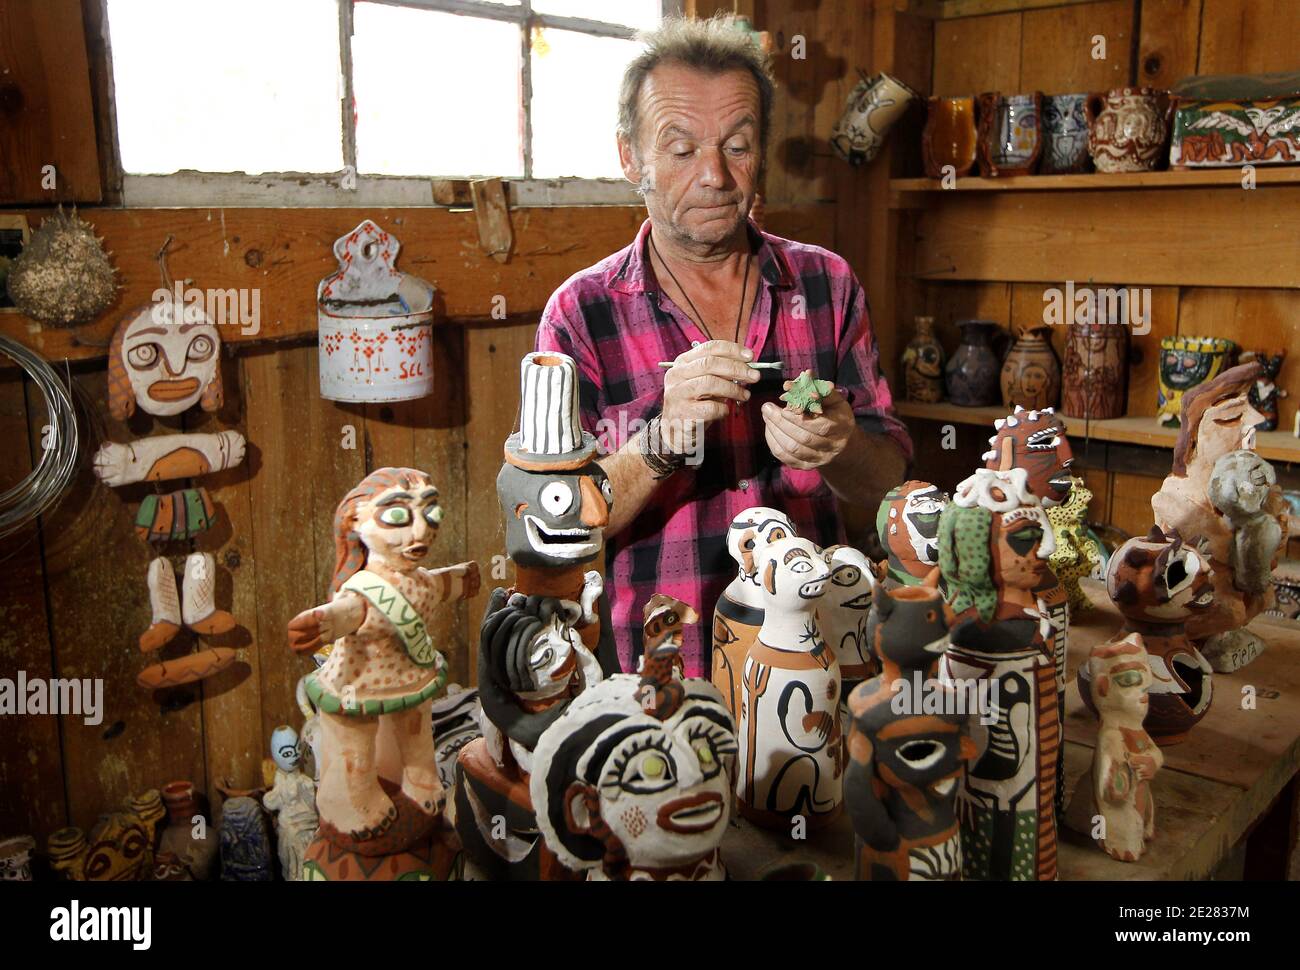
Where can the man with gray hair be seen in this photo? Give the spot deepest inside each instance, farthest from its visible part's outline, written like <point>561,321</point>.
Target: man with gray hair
<point>698,442</point>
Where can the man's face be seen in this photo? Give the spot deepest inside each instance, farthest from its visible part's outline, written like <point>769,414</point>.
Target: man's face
<point>696,153</point>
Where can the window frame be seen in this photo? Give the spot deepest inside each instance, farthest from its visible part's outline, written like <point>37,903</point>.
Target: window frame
<point>232,189</point>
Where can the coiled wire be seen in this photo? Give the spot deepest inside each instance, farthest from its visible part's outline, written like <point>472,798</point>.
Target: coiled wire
<point>43,485</point>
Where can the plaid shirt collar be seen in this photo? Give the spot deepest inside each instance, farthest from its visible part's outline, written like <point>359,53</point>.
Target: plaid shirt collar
<point>634,274</point>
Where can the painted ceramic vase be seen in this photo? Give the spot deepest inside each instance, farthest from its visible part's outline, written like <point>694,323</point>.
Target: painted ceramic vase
<point>907,523</point>
<point>1159,582</point>
<point>1065,134</point>
<point>904,762</point>
<point>1031,375</point>
<point>972,372</point>
<point>923,361</point>
<point>1264,393</point>
<point>1186,362</point>
<point>1208,134</point>
<point>791,750</point>
<point>119,848</point>
<point>198,856</point>
<point>375,323</point>
<point>1127,129</point>
<point>16,858</point>
<point>1010,133</point>
<point>874,105</point>
<point>950,137</point>
<point>1095,373</point>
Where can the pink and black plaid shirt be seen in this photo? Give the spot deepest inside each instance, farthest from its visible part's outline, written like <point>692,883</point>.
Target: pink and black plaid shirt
<point>615,322</point>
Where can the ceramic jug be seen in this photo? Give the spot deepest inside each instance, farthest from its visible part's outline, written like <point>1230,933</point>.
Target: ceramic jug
<point>1127,129</point>
<point>1065,134</point>
<point>874,105</point>
<point>923,364</point>
<point>949,137</point>
<point>1010,133</point>
<point>1095,371</point>
<point>1031,376</point>
<point>972,373</point>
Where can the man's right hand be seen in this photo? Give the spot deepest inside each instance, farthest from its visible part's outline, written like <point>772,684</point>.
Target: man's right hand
<point>699,387</point>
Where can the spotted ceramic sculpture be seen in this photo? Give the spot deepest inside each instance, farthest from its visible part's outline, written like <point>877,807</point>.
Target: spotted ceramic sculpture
<point>1217,419</point>
<point>1077,553</point>
<point>791,754</point>
<point>738,614</point>
<point>904,763</point>
<point>1114,799</point>
<point>908,525</point>
<point>994,546</point>
<point>379,793</point>
<point>634,781</point>
<point>292,800</point>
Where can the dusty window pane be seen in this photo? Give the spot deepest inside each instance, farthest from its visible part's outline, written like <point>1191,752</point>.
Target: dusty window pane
<point>436,93</point>
<point>199,87</point>
<point>575,102</point>
<point>631,13</point>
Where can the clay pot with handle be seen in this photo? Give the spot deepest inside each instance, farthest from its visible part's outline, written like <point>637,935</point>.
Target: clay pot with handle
<point>1128,129</point>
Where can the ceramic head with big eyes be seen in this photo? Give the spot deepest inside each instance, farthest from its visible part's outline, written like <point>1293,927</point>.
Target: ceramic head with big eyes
<point>908,525</point>
<point>751,531</point>
<point>554,518</point>
<point>1036,442</point>
<point>164,358</point>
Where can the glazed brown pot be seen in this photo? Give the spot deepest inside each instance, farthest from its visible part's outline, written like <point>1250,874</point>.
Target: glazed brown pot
<point>1095,381</point>
<point>949,137</point>
<point>1031,375</point>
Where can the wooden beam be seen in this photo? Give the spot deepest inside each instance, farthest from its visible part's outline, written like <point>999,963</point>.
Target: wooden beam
<point>953,9</point>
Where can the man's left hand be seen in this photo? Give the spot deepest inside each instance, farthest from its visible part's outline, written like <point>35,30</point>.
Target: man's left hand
<point>808,441</point>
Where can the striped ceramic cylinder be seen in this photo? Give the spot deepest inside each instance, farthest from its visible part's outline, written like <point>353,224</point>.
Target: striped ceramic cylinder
<point>548,422</point>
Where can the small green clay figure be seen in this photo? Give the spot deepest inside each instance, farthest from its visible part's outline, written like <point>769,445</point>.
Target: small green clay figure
<point>806,393</point>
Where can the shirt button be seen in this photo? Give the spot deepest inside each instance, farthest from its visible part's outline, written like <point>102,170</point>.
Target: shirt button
<point>744,484</point>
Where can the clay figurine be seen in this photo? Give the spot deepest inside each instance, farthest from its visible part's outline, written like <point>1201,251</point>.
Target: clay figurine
<point>120,848</point>
<point>1186,362</point>
<point>245,842</point>
<point>1031,375</point>
<point>738,614</point>
<point>292,800</point>
<point>1265,393</point>
<point>804,394</point>
<point>1217,419</point>
<point>790,738</point>
<point>187,838</point>
<point>16,858</point>
<point>1125,759</point>
<point>634,781</point>
<point>908,525</point>
<point>1077,553</point>
<point>923,361</point>
<point>379,796</point>
<point>842,617</point>
<point>904,764</point>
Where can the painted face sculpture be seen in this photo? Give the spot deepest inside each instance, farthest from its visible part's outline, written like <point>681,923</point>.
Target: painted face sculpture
<point>908,525</point>
<point>1186,362</point>
<point>842,614</point>
<point>1034,441</point>
<point>626,794</point>
<point>164,359</point>
<point>286,749</point>
<point>119,849</point>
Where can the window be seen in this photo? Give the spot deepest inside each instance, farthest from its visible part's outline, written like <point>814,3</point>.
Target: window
<point>525,89</point>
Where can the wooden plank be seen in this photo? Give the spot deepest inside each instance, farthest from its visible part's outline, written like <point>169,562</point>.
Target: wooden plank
<point>1143,237</point>
<point>1248,36</point>
<point>951,9</point>
<point>1130,502</point>
<point>32,799</point>
<point>791,145</point>
<point>1228,178</point>
<point>1056,51</point>
<point>1168,40</point>
<point>45,104</point>
<point>976,55</point>
<point>1098,482</point>
<point>283,253</point>
<point>1144,352</point>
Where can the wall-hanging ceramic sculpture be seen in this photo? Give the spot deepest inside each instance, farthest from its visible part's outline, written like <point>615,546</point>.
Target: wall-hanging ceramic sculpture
<point>1264,393</point>
<point>1186,362</point>
<point>375,323</point>
<point>949,137</point>
<point>1010,133</point>
<point>548,638</point>
<point>165,358</point>
<point>1239,511</point>
<point>634,781</point>
<point>62,277</point>
<point>196,854</point>
<point>791,755</point>
<point>245,842</point>
<point>903,763</point>
<point>120,848</point>
<point>923,361</point>
<point>1127,129</point>
<point>292,800</point>
<point>972,372</point>
<point>1125,758</point>
<point>1031,375</point>
<point>1065,134</point>
<point>1095,371</point>
<point>907,523</point>
<point>16,858</point>
<point>1159,582</point>
<point>379,796</point>
<point>1239,132</point>
<point>1077,553</point>
<point>874,105</point>
<point>738,614</point>
<point>994,546</point>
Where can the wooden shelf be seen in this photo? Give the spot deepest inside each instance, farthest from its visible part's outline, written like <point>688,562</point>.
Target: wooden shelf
<point>1140,430</point>
<point>1096,181</point>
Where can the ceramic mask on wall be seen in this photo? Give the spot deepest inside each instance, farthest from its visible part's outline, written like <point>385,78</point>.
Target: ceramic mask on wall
<point>164,359</point>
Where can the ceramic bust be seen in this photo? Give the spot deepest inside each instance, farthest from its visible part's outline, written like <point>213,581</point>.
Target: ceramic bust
<point>245,842</point>
<point>1217,419</point>
<point>1077,554</point>
<point>379,792</point>
<point>790,742</point>
<point>16,858</point>
<point>1159,582</point>
<point>292,799</point>
<point>908,525</point>
<point>738,614</point>
<point>903,762</point>
<point>994,545</point>
<point>634,782</point>
<point>1125,759</point>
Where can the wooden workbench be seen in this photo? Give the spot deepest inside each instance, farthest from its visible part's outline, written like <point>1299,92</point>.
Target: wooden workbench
<point>1212,788</point>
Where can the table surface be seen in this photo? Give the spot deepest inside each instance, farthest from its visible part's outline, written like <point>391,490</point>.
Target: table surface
<point>1212,788</point>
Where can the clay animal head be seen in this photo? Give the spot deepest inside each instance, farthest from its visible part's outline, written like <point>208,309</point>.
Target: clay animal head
<point>1034,441</point>
<point>793,575</point>
<point>1240,484</point>
<point>1120,675</point>
<point>391,516</point>
<point>1217,418</point>
<point>286,749</point>
<point>1159,578</point>
<point>619,788</point>
<point>909,626</point>
<point>908,525</point>
<point>165,358</point>
<point>751,531</point>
